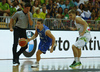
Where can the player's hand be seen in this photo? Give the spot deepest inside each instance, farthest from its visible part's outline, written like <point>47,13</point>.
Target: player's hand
<point>71,28</point>
<point>51,50</point>
<point>81,34</point>
<point>28,14</point>
<point>28,39</point>
<point>11,29</point>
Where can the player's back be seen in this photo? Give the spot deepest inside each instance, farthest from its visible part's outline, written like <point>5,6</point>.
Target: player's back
<point>42,34</point>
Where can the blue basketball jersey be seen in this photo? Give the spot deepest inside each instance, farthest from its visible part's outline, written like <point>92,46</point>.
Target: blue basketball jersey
<point>43,37</point>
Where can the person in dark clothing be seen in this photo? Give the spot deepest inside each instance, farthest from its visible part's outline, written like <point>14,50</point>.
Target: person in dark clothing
<point>24,18</point>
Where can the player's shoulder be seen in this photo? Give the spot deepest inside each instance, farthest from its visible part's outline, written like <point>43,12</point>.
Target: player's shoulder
<point>78,18</point>
<point>18,12</point>
<point>45,26</point>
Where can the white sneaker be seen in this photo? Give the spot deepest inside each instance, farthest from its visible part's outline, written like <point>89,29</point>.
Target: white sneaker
<point>15,64</point>
<point>36,65</point>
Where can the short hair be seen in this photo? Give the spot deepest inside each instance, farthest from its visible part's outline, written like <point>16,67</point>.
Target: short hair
<point>72,11</point>
<point>40,20</point>
<point>27,4</point>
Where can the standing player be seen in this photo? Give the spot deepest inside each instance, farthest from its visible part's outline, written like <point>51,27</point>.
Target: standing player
<point>46,39</point>
<point>84,36</point>
<point>24,18</point>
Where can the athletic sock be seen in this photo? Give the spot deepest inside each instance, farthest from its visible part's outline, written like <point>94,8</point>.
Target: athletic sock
<point>79,59</point>
<point>76,59</point>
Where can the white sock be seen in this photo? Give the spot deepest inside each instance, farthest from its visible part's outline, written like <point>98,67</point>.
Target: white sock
<point>76,59</point>
<point>37,61</point>
<point>79,59</point>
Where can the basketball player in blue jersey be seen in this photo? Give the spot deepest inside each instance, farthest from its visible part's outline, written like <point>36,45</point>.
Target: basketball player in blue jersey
<point>46,39</point>
<point>84,36</point>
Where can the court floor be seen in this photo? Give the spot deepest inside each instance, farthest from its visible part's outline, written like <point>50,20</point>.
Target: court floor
<point>51,65</point>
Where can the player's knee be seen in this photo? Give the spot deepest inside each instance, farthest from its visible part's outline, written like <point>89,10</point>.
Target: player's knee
<point>73,46</point>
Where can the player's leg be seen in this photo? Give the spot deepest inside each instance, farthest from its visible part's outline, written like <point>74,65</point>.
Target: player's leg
<point>22,34</point>
<point>14,49</point>
<point>77,52</point>
<point>38,53</point>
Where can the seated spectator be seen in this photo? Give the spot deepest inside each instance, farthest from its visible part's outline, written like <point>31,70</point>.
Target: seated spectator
<point>48,21</point>
<point>60,11</point>
<point>67,4</point>
<point>61,3</point>
<point>37,13</point>
<point>65,13</point>
<point>42,7</point>
<point>81,7</point>
<point>75,3</point>
<point>36,5</point>
<point>44,1</point>
<point>4,7</point>
<point>50,7</point>
<point>43,13</point>
<point>86,15</point>
<point>13,9</point>
<point>57,23</point>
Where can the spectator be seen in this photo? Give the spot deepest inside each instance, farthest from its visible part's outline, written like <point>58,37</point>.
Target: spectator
<point>75,3</point>
<point>60,11</point>
<point>90,6</point>
<point>61,3</point>
<point>65,13</point>
<point>81,7</point>
<point>43,13</point>
<point>37,13</point>
<point>4,7</point>
<point>36,5</point>
<point>48,21</point>
<point>13,9</point>
<point>57,24</point>
<point>67,4</point>
<point>18,1</point>
<point>44,1</point>
<point>50,7</point>
<point>42,7</point>
<point>47,15</point>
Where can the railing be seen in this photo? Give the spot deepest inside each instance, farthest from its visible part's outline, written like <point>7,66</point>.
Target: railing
<point>52,23</point>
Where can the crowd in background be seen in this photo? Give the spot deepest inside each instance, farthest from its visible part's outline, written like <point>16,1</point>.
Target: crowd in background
<point>88,9</point>
<point>51,8</point>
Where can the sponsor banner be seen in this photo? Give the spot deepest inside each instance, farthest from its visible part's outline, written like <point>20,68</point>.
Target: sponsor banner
<point>64,40</point>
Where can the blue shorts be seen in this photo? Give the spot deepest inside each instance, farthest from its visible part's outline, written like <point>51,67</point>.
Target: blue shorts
<point>44,46</point>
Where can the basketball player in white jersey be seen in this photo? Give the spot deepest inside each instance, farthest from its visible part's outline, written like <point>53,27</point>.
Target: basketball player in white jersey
<point>84,36</point>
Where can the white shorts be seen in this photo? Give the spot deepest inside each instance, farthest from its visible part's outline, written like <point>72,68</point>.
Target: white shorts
<point>83,40</point>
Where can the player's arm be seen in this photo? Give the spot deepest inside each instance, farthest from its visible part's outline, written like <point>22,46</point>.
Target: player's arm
<point>30,18</point>
<point>72,28</point>
<point>12,20</point>
<point>49,34</point>
<point>33,37</point>
<point>11,23</point>
<point>82,22</point>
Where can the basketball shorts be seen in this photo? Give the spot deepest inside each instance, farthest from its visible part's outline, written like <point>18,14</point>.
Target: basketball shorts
<point>83,40</point>
<point>44,46</point>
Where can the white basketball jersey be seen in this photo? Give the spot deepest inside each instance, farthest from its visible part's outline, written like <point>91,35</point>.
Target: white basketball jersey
<point>80,27</point>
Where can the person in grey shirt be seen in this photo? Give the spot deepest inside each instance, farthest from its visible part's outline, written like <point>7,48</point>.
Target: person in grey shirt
<point>24,18</point>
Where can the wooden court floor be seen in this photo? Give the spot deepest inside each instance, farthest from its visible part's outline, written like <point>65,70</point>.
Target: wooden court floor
<point>51,65</point>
